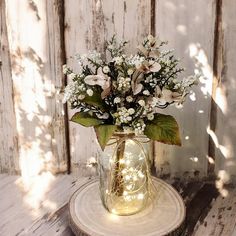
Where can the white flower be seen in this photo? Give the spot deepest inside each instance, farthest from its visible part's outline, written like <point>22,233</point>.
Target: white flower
<point>146,92</point>
<point>136,85</point>
<point>81,96</point>
<point>129,99</point>
<point>70,90</point>
<point>141,103</point>
<point>118,60</point>
<point>103,116</point>
<point>149,66</point>
<point>151,39</point>
<point>130,71</point>
<point>89,92</point>
<point>166,96</point>
<point>106,69</point>
<point>128,118</point>
<point>150,116</point>
<point>65,69</point>
<point>123,84</point>
<point>71,76</point>
<point>117,100</point>
<point>131,111</point>
<point>139,127</point>
<point>100,79</point>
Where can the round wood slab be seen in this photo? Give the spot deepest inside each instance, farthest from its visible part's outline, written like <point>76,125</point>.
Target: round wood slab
<point>89,217</point>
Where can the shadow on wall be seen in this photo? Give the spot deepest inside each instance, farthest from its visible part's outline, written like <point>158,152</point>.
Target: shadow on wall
<point>190,30</point>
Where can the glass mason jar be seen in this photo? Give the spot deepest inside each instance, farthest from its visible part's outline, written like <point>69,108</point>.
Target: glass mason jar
<point>124,173</point>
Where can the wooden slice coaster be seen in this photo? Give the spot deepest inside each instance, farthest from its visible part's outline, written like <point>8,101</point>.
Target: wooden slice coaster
<point>89,217</point>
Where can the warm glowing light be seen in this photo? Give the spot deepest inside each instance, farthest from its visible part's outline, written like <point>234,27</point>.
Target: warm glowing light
<point>211,160</point>
<point>127,177</point>
<point>114,211</point>
<point>127,162</point>
<point>194,159</point>
<point>140,196</point>
<point>182,29</point>
<point>223,178</point>
<point>140,174</point>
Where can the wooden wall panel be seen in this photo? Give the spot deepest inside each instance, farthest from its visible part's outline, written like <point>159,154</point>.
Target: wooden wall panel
<point>225,97</point>
<point>35,48</point>
<point>88,24</point>
<point>189,28</point>
<point>8,135</point>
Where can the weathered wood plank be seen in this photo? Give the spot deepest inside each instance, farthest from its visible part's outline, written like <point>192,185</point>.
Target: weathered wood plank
<point>8,134</point>
<point>189,28</point>
<point>98,21</point>
<point>221,219</point>
<point>225,135</point>
<point>34,39</point>
<point>37,210</point>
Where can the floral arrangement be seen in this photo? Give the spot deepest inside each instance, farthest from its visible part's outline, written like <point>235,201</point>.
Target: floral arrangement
<point>127,92</point>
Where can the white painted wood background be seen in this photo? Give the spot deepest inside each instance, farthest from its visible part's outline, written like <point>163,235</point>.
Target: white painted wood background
<point>38,37</point>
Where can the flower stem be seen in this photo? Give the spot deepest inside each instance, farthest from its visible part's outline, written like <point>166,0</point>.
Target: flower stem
<point>118,178</point>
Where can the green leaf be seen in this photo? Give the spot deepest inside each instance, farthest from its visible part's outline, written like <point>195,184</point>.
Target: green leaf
<point>104,133</point>
<point>85,119</point>
<point>94,100</point>
<point>163,128</point>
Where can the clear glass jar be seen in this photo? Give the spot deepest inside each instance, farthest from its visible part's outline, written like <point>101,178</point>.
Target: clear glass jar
<point>124,173</point>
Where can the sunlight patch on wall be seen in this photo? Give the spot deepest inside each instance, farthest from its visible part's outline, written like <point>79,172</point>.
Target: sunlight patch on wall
<point>223,178</point>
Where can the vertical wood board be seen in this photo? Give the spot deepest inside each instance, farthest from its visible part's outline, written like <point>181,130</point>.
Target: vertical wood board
<point>188,26</point>
<point>34,39</point>
<point>225,134</point>
<point>8,135</point>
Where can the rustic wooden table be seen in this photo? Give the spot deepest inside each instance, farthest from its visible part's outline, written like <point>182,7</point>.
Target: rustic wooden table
<point>89,217</point>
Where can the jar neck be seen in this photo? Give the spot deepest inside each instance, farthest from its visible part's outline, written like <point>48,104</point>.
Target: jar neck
<point>128,134</point>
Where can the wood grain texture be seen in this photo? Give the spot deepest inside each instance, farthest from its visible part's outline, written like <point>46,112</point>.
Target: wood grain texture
<point>8,135</point>
<point>87,25</point>
<point>46,213</point>
<point>38,211</point>
<point>189,28</point>
<point>221,219</point>
<point>35,49</point>
<point>225,99</point>
<point>88,215</point>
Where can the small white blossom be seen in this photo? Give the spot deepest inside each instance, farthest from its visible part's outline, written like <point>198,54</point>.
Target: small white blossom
<point>146,92</point>
<point>103,116</point>
<point>139,127</point>
<point>81,96</point>
<point>150,116</point>
<point>70,90</point>
<point>105,69</point>
<point>130,71</point>
<point>117,100</point>
<point>118,60</point>
<point>131,111</point>
<point>128,118</point>
<point>89,92</point>
<point>129,99</point>
<point>124,84</point>
<point>141,103</point>
<point>72,76</point>
<point>65,69</point>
